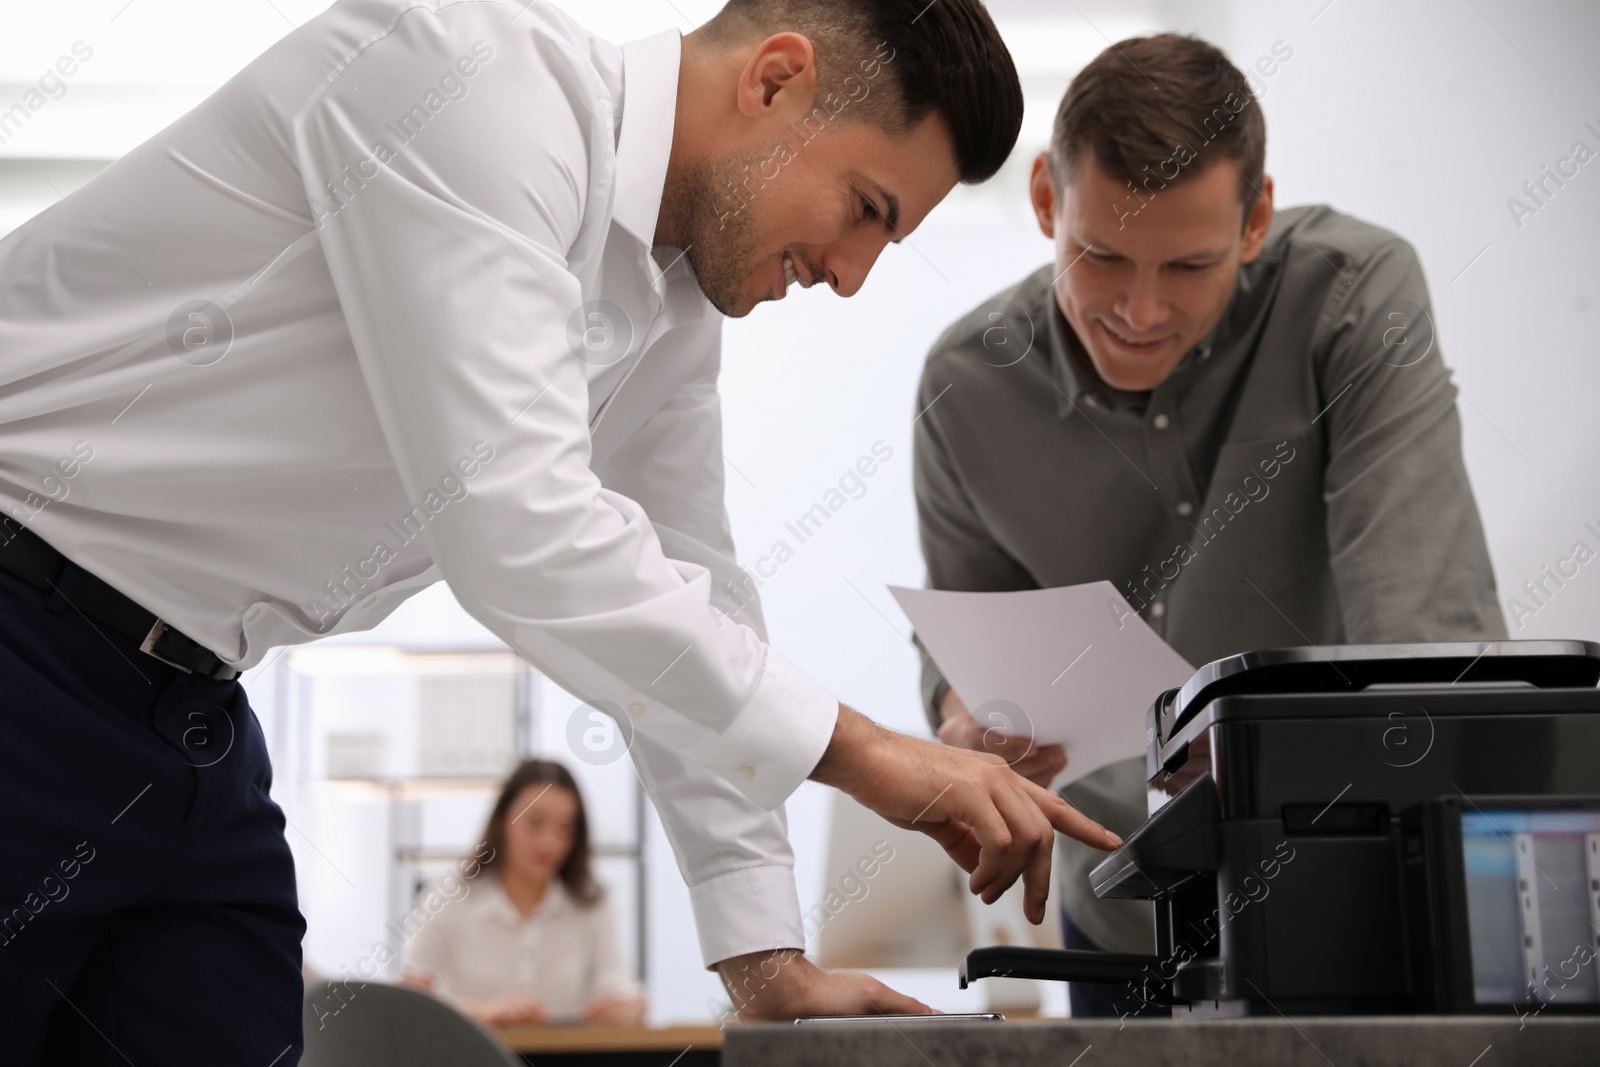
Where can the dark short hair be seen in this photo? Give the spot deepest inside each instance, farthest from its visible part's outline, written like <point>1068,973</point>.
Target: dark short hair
<point>575,873</point>
<point>944,58</point>
<point>1142,102</point>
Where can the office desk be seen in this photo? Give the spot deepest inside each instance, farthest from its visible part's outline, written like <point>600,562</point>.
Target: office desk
<point>1477,1041</point>
<point>560,1046</point>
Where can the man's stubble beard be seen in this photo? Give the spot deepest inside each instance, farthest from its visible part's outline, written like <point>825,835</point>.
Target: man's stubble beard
<point>715,226</point>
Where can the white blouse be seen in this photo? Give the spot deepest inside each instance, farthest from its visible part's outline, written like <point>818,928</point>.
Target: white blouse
<point>566,954</point>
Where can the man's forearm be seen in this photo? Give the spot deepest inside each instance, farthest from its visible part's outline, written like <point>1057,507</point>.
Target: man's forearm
<point>842,762</point>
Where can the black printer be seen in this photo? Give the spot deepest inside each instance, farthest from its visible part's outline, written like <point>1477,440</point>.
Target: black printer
<point>1364,829</point>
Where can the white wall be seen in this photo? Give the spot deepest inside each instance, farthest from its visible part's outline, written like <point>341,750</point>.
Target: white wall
<point>1422,116</point>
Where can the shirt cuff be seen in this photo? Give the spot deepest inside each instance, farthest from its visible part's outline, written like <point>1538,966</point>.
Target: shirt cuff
<point>778,737</point>
<point>754,909</point>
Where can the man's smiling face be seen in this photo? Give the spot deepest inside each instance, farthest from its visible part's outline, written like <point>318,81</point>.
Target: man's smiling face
<point>812,211</point>
<point>1141,286</point>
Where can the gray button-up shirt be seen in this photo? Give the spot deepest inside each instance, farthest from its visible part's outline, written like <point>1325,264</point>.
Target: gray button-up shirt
<point>1297,480</point>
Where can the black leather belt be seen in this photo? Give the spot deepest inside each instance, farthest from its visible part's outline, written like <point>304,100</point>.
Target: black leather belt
<point>28,556</point>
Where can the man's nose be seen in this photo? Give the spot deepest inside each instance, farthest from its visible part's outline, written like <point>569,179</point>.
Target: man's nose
<point>1141,305</point>
<point>847,263</point>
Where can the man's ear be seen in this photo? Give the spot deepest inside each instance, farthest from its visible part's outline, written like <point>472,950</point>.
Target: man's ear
<point>1257,223</point>
<point>1044,195</point>
<point>779,79</point>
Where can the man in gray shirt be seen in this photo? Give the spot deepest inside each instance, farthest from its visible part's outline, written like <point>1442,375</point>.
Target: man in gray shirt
<point>1238,416</point>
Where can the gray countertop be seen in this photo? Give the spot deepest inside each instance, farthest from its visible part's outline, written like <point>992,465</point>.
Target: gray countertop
<point>1477,1041</point>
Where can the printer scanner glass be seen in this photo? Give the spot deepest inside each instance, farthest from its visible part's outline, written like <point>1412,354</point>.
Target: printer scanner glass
<point>1533,905</point>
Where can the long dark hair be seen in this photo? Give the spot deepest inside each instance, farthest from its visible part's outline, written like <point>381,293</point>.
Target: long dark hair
<point>574,873</point>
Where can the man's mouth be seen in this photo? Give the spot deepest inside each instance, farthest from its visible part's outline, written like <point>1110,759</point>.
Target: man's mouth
<point>789,276</point>
<point>1134,345</point>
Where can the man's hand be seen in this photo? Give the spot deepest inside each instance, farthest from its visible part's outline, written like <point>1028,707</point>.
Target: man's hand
<point>995,824</point>
<point>783,984</point>
<point>1037,763</point>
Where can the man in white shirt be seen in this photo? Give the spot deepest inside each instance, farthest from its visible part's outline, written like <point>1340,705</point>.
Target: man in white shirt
<point>430,291</point>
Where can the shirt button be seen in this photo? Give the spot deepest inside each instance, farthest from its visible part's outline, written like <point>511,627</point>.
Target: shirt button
<point>1092,400</point>
<point>636,709</point>
<point>1161,422</point>
<point>1157,609</point>
<point>1186,509</point>
<point>746,773</point>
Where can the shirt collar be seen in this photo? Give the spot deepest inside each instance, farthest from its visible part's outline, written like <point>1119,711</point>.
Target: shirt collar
<point>644,143</point>
<point>1062,343</point>
<point>491,897</point>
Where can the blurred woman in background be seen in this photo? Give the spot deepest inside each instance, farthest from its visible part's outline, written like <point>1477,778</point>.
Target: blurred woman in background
<point>534,939</point>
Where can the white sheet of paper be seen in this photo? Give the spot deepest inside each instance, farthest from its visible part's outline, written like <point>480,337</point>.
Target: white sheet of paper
<point>1074,665</point>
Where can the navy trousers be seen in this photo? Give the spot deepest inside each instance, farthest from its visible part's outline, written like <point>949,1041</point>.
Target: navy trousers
<point>147,895</point>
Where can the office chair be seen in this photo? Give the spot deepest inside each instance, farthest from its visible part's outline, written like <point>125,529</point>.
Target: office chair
<point>351,1024</point>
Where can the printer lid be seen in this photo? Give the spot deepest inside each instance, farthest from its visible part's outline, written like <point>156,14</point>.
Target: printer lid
<point>1350,668</point>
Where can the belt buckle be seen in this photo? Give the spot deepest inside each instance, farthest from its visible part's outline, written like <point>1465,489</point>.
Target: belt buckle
<point>148,646</point>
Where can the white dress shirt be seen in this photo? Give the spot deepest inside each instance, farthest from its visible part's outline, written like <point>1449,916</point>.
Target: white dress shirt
<point>565,954</point>
<point>332,336</point>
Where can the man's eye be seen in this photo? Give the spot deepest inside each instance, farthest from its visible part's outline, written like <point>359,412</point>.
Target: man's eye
<point>1193,268</point>
<point>868,211</point>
